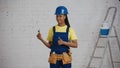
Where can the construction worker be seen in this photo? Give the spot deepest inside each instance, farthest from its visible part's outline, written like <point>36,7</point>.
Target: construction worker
<point>60,38</point>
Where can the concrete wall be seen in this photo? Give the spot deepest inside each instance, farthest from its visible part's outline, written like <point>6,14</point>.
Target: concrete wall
<point>21,19</point>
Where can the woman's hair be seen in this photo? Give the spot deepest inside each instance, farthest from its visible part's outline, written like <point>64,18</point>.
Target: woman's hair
<point>66,21</point>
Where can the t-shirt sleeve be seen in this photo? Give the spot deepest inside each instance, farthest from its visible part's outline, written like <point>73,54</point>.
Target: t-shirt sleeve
<point>72,34</point>
<point>50,35</point>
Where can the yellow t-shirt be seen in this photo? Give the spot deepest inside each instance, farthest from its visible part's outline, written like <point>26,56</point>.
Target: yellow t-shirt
<point>71,35</point>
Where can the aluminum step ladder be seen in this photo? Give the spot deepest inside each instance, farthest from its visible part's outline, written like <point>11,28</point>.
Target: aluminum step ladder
<point>96,59</point>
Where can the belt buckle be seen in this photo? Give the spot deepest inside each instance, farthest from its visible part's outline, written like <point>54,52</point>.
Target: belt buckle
<point>59,56</point>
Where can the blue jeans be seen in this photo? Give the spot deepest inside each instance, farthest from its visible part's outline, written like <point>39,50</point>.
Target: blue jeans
<point>59,64</point>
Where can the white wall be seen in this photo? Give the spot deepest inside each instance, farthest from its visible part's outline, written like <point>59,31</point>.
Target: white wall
<point>21,19</point>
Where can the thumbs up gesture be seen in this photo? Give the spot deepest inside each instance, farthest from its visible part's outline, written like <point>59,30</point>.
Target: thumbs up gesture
<point>60,41</point>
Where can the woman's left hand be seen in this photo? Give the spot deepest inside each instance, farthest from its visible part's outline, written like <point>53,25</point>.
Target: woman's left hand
<point>60,41</point>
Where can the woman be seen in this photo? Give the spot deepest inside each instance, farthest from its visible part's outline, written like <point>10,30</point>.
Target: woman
<point>60,38</point>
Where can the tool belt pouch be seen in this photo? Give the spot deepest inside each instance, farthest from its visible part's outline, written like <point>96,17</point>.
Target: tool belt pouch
<point>52,58</point>
<point>66,58</point>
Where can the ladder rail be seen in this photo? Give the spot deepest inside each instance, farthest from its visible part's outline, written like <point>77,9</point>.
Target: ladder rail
<point>93,52</point>
<point>118,42</point>
<point>113,18</point>
<point>110,52</point>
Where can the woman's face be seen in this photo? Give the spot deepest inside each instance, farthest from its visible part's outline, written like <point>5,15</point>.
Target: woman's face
<point>60,19</point>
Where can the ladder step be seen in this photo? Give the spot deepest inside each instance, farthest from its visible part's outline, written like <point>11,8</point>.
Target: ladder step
<point>112,36</point>
<point>100,46</point>
<point>91,67</point>
<point>97,57</point>
<point>116,61</point>
<point>108,36</point>
<point>102,37</point>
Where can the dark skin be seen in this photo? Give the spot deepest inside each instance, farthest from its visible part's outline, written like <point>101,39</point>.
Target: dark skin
<point>61,22</point>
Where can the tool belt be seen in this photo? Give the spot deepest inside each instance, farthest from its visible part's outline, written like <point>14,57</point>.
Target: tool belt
<point>65,57</point>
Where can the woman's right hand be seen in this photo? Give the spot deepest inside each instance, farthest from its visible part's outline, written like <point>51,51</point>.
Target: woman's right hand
<point>42,40</point>
<point>39,36</point>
